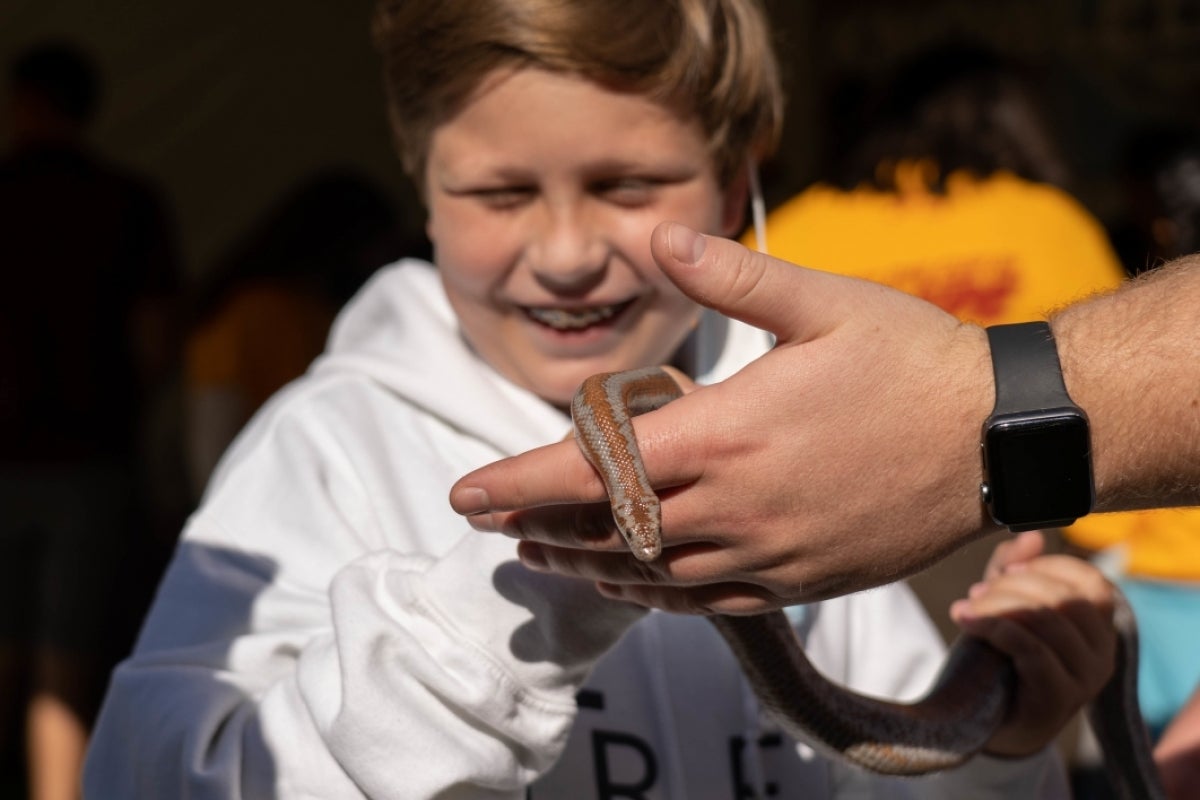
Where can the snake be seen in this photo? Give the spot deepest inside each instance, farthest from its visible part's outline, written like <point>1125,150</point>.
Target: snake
<point>952,722</point>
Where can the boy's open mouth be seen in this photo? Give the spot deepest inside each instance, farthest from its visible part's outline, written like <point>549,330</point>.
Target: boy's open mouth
<point>576,319</point>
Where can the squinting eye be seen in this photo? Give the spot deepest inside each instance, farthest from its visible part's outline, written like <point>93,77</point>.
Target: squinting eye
<point>504,197</point>
<point>627,191</point>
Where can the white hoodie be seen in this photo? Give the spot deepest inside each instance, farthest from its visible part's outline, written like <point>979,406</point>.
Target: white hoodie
<point>329,628</point>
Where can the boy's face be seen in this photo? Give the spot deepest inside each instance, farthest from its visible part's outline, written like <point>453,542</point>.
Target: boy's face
<point>542,194</point>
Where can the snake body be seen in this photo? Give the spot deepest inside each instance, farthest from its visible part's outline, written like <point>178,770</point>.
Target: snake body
<point>943,729</point>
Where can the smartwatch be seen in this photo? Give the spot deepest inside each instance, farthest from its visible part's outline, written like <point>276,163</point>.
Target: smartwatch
<point>1037,455</point>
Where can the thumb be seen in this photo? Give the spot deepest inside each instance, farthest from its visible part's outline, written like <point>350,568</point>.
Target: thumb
<point>794,303</point>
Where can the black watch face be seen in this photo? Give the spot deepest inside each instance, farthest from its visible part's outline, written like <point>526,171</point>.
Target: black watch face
<point>1039,467</point>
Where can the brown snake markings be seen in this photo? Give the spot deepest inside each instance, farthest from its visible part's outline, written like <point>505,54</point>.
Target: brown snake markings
<point>947,726</point>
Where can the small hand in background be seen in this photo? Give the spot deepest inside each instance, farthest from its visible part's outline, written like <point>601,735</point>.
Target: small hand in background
<point>1053,615</point>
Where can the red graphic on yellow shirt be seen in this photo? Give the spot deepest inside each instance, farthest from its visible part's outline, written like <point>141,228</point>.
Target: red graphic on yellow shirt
<point>974,290</point>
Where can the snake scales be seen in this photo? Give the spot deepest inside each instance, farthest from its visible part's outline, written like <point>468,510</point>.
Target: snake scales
<point>951,723</point>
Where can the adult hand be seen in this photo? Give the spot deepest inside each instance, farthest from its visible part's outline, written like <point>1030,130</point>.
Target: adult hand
<point>845,458</point>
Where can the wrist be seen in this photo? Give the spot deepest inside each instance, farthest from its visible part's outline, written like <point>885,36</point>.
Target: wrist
<point>1082,374</point>
<point>976,394</point>
<point>1036,443</point>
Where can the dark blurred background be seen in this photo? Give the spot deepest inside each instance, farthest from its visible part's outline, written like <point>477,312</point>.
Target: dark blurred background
<point>248,116</point>
<point>228,104</point>
<point>225,104</point>
<point>1110,69</point>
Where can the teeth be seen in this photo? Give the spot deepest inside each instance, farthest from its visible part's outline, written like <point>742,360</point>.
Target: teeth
<point>575,319</point>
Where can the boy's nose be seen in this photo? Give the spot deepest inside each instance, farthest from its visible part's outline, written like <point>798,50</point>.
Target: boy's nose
<point>567,256</point>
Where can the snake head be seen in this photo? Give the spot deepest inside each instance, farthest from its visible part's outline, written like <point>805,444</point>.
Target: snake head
<point>640,522</point>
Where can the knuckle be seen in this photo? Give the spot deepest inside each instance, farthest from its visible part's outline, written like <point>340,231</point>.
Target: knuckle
<point>746,274</point>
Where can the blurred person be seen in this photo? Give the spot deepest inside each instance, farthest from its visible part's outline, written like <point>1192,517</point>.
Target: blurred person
<point>265,312</point>
<point>90,269</point>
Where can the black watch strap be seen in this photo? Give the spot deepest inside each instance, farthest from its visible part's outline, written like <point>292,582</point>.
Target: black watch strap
<point>1025,363</point>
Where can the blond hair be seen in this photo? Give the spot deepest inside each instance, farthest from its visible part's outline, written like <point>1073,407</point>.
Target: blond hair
<point>711,59</point>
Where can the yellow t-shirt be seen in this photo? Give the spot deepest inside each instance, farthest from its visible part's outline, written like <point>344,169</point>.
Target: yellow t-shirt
<point>990,251</point>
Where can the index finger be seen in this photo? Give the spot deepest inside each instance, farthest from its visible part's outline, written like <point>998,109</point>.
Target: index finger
<point>550,475</point>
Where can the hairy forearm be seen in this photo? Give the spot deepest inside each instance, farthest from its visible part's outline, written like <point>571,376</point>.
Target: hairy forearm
<point>1131,359</point>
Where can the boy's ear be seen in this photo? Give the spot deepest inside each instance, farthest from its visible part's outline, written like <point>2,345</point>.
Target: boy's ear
<point>736,197</point>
